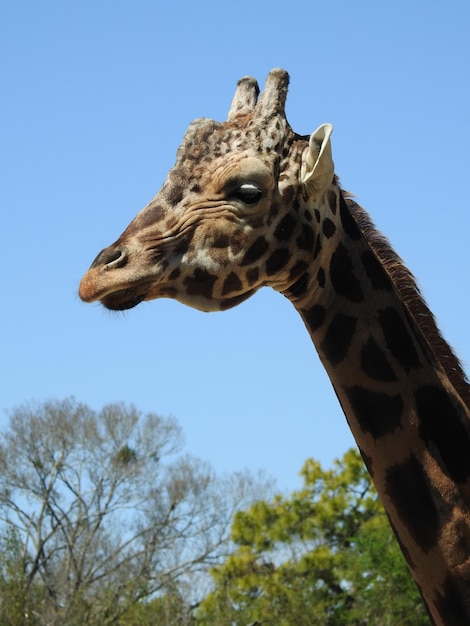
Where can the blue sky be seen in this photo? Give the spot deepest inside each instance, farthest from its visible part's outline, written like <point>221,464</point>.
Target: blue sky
<point>95,97</point>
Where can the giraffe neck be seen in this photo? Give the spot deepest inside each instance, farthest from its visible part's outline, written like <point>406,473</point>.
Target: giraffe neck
<point>406,402</point>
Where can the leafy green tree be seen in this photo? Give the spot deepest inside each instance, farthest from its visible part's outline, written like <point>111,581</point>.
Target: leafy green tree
<point>325,555</point>
<point>171,609</point>
<point>100,513</point>
<point>18,599</point>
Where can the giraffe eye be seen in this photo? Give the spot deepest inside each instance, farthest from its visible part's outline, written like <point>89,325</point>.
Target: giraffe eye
<point>248,193</point>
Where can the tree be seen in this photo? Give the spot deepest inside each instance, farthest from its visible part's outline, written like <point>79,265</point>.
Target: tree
<point>101,514</point>
<point>17,598</point>
<point>325,555</point>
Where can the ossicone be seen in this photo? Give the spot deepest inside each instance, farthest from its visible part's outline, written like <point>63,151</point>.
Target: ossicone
<point>271,102</point>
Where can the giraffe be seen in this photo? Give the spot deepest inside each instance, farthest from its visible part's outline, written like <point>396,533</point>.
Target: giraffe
<point>250,203</point>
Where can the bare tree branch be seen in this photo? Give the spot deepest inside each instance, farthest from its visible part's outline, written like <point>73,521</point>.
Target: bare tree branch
<point>107,515</point>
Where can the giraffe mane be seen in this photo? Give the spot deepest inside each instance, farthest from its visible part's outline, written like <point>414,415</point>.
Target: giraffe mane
<point>405,284</point>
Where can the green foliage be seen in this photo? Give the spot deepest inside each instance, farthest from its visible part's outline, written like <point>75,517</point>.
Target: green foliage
<point>325,555</point>
<point>170,609</point>
<point>16,599</point>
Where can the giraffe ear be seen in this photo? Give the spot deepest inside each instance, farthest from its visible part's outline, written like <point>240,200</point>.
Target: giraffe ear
<point>318,169</point>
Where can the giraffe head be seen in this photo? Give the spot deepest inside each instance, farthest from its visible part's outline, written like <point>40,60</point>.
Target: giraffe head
<point>227,216</point>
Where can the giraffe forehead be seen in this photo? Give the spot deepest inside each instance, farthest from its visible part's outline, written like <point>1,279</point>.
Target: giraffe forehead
<point>206,139</point>
<point>235,168</point>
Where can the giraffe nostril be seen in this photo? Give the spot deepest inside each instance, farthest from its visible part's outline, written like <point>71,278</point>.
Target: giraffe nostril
<point>113,257</point>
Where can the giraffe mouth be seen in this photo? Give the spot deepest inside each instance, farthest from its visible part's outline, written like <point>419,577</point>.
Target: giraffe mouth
<point>123,299</point>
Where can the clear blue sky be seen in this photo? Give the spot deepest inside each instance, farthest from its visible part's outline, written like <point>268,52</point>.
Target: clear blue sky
<point>95,97</point>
